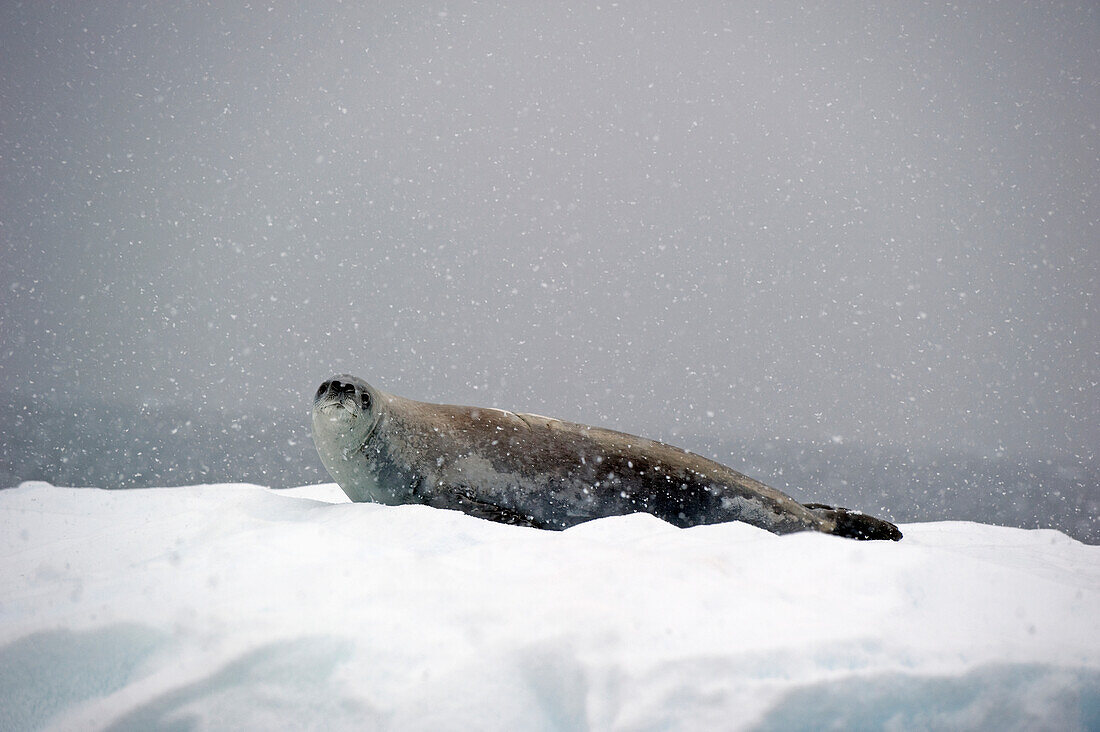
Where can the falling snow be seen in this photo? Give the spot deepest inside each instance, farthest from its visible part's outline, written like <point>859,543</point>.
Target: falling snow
<point>848,250</point>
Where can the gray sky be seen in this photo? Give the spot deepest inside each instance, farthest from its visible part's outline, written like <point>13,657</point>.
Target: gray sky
<point>804,220</point>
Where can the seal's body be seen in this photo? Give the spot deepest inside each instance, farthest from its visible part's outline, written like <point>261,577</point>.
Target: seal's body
<point>535,471</point>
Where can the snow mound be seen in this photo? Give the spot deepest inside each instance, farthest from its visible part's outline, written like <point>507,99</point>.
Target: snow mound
<point>236,606</point>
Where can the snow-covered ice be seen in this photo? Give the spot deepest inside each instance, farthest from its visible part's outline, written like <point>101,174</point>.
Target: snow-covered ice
<point>236,606</point>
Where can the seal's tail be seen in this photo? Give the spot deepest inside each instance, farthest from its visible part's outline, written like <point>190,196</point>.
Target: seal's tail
<point>856,525</point>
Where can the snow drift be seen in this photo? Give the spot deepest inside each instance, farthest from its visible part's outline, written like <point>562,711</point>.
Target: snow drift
<point>234,606</point>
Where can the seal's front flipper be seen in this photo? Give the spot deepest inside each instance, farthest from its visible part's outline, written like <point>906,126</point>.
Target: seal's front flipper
<point>477,508</point>
<point>856,525</point>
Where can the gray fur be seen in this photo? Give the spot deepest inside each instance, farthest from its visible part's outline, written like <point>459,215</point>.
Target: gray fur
<point>531,470</point>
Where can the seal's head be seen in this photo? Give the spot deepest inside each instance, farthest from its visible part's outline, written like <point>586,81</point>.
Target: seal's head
<point>345,412</point>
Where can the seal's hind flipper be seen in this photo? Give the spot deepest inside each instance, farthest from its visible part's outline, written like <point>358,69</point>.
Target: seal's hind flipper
<point>856,525</point>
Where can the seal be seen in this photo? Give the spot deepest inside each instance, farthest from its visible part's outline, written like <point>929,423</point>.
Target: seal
<point>536,471</point>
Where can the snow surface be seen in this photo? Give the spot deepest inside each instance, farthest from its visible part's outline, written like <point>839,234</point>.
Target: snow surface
<point>236,606</point>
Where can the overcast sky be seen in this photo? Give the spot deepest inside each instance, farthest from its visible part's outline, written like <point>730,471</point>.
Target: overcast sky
<point>804,220</point>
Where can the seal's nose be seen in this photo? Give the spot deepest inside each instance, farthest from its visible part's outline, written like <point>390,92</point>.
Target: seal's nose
<point>335,387</point>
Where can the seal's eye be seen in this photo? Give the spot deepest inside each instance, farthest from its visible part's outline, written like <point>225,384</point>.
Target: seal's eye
<point>321,390</point>
<point>364,399</point>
